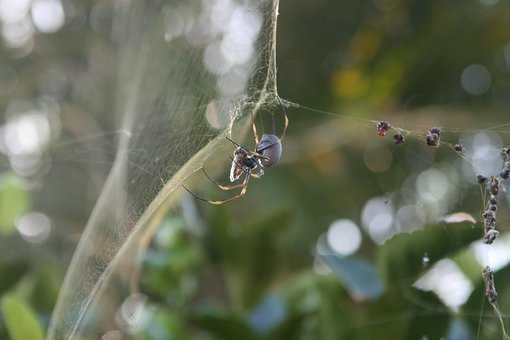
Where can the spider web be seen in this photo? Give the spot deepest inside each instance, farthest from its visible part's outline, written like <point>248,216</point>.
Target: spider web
<point>177,97</point>
<point>186,77</point>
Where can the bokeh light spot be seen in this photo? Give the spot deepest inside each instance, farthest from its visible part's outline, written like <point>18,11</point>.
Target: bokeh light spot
<point>18,34</point>
<point>48,15</point>
<point>344,237</point>
<point>349,83</point>
<point>476,79</point>
<point>34,227</point>
<point>26,134</point>
<point>432,185</point>
<point>377,218</point>
<point>378,158</point>
<point>13,10</point>
<point>133,315</point>
<point>449,283</point>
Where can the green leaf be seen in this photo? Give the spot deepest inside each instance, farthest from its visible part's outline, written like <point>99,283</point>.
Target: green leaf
<point>259,256</point>
<point>289,329</point>
<point>20,320</point>
<point>14,201</point>
<point>220,242</point>
<point>45,288</point>
<point>223,326</point>
<point>321,303</point>
<point>428,317</point>
<point>11,273</point>
<point>250,253</point>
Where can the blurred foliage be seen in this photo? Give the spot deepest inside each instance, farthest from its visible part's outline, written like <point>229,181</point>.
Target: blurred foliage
<point>236,293</point>
<point>20,320</point>
<point>250,270</point>
<point>14,201</point>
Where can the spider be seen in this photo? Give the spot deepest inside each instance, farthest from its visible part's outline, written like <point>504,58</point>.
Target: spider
<point>247,163</point>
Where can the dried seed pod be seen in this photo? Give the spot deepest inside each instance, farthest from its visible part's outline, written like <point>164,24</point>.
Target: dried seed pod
<point>481,179</point>
<point>490,232</point>
<point>432,139</point>
<point>490,236</point>
<point>433,136</point>
<point>490,288</point>
<point>493,200</point>
<point>458,148</point>
<point>489,216</point>
<point>494,185</point>
<point>435,130</point>
<point>493,203</point>
<point>399,138</point>
<point>505,153</point>
<point>505,174</point>
<point>382,128</point>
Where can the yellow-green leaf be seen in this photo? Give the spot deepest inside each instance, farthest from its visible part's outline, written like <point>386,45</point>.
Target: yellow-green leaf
<point>14,201</point>
<point>20,320</point>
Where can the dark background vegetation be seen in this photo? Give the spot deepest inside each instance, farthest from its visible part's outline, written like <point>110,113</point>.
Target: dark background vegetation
<point>249,270</point>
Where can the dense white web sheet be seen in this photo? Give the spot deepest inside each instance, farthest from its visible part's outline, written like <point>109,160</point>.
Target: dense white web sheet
<point>189,72</point>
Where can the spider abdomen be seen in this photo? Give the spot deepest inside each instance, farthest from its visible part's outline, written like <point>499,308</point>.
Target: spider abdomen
<point>270,146</point>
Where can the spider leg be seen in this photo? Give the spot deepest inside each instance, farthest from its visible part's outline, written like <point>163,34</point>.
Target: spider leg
<point>286,118</point>
<point>285,126</point>
<point>240,194</point>
<point>233,142</point>
<point>257,155</point>
<point>258,173</point>
<point>220,186</point>
<point>254,128</point>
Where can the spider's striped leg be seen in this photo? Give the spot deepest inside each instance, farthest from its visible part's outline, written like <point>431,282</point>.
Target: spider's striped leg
<point>254,128</point>
<point>240,194</point>
<point>257,174</point>
<point>222,187</point>
<point>286,119</point>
